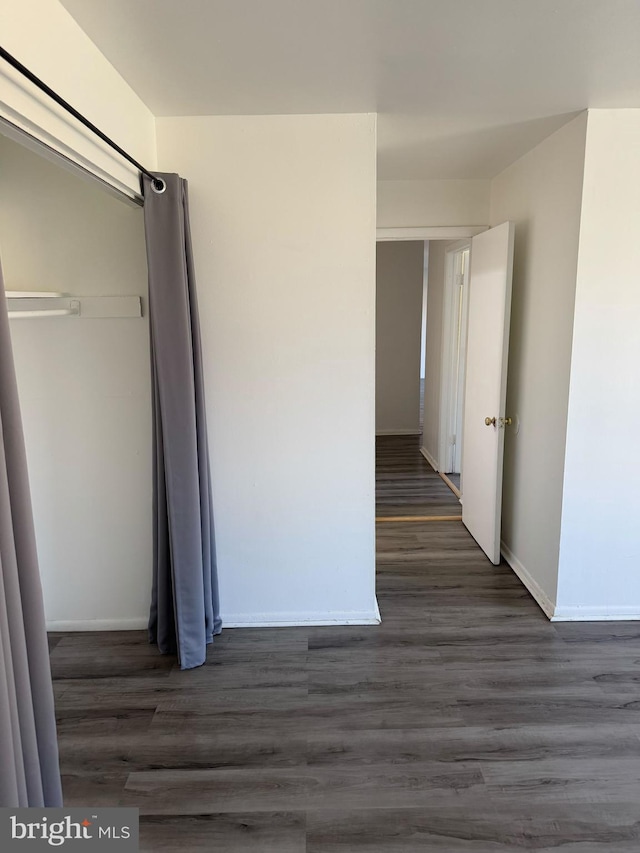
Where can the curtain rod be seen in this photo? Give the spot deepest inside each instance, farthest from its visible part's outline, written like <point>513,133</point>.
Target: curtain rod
<point>156,183</point>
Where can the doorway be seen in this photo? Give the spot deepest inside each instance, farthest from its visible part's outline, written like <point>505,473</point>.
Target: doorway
<point>421,323</point>
<point>466,355</point>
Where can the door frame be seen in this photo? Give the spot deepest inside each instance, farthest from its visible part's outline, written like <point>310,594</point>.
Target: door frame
<point>448,352</point>
<point>430,232</point>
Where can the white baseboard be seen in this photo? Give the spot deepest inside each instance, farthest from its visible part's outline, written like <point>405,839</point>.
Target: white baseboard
<point>232,620</point>
<point>377,611</point>
<point>398,432</point>
<point>532,585</point>
<point>429,459</point>
<point>559,613</point>
<point>597,614</point>
<point>299,620</point>
<point>99,624</point>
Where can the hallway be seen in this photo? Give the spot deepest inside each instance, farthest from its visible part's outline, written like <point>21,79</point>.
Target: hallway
<point>406,484</point>
<point>466,721</point>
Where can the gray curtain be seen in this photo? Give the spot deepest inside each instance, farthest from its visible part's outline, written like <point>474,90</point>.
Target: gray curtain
<point>185,613</point>
<point>29,769</point>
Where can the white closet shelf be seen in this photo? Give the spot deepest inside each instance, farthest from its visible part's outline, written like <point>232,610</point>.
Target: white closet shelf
<point>41,303</point>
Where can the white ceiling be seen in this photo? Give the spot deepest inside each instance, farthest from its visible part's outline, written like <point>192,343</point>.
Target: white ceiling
<point>462,87</point>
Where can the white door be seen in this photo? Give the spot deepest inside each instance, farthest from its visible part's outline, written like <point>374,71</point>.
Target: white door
<point>486,385</point>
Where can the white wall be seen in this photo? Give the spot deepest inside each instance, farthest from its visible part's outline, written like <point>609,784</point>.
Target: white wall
<point>432,203</point>
<point>399,286</point>
<point>283,218</point>
<point>542,194</point>
<point>84,391</point>
<point>600,543</point>
<point>43,36</point>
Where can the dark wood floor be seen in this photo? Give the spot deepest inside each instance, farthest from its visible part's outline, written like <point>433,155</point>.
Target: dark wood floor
<point>465,722</point>
<point>405,482</point>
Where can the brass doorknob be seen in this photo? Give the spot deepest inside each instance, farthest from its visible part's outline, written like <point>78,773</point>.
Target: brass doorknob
<point>504,422</point>
<point>490,421</point>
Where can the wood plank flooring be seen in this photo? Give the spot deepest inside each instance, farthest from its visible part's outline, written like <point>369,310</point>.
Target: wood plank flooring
<point>464,722</point>
<point>405,482</point>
